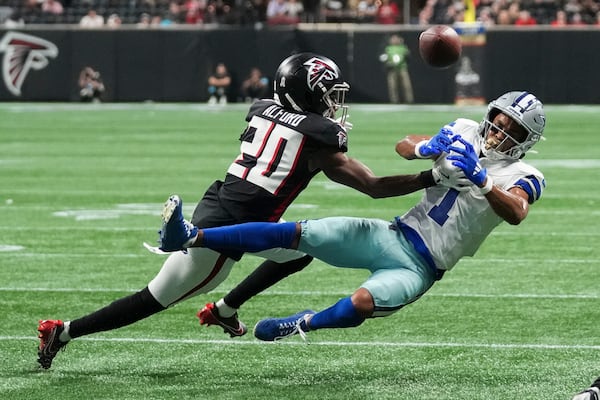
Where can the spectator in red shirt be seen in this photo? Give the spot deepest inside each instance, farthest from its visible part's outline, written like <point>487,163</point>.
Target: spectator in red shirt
<point>525,19</point>
<point>194,11</point>
<point>387,13</point>
<point>560,20</point>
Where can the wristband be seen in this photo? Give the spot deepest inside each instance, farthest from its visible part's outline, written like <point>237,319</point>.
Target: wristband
<point>418,147</point>
<point>487,187</point>
<point>427,178</point>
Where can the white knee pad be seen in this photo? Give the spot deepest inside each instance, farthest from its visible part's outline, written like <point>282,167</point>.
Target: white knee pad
<point>184,275</point>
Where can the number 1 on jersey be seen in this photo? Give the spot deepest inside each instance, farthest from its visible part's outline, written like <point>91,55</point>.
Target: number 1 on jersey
<point>439,213</point>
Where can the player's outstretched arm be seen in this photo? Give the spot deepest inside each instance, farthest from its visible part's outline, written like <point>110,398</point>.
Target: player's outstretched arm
<point>352,173</point>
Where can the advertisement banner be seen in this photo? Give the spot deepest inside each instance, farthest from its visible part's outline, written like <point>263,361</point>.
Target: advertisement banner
<point>468,78</point>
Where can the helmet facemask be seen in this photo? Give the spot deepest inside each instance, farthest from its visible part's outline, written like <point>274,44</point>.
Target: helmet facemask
<point>507,147</point>
<point>334,99</point>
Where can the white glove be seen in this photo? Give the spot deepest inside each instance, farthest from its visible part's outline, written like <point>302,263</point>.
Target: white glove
<point>592,393</point>
<point>446,174</point>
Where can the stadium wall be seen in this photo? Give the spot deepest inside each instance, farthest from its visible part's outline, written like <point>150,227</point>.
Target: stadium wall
<point>169,65</point>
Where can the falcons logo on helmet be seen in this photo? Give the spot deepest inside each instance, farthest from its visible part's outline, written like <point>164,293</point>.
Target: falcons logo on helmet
<point>319,70</point>
<point>342,139</point>
<point>21,54</point>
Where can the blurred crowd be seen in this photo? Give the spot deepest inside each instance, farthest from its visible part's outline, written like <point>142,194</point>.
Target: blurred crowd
<point>150,13</point>
<point>519,13</point>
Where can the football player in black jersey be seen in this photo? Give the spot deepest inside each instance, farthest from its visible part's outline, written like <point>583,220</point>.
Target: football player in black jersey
<point>288,140</point>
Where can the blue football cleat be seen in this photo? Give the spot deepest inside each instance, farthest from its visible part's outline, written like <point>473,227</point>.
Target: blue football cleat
<point>176,233</point>
<point>271,329</point>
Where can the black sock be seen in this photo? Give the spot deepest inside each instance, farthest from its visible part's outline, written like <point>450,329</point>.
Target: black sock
<point>117,314</point>
<point>597,383</point>
<point>266,275</point>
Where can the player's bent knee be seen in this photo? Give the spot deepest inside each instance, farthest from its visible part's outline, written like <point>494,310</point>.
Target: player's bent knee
<point>298,264</point>
<point>187,275</point>
<point>363,302</point>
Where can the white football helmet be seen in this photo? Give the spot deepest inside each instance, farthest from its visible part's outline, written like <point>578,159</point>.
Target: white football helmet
<point>525,109</point>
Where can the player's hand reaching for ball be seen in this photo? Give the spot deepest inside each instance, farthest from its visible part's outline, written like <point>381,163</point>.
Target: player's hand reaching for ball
<point>467,160</point>
<point>436,145</point>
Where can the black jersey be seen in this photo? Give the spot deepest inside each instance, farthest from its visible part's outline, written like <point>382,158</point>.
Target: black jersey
<point>272,168</point>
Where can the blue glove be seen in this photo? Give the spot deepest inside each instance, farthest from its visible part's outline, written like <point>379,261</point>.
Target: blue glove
<point>436,145</point>
<point>468,161</point>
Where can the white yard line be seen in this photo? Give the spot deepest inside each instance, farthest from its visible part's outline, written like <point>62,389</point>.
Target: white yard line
<point>321,293</point>
<point>498,346</point>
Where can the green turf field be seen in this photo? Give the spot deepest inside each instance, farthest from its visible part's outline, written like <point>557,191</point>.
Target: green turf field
<point>82,186</point>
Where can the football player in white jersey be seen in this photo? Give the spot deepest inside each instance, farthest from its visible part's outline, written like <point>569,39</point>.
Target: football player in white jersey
<point>482,182</point>
<point>591,393</point>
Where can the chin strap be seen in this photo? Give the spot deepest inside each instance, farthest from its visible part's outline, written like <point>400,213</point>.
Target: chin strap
<point>295,106</point>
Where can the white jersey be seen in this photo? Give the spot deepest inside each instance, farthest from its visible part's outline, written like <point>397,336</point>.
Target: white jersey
<point>453,224</point>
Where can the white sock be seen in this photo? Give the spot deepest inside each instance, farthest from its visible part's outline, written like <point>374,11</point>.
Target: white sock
<point>224,310</point>
<point>190,242</point>
<point>64,335</point>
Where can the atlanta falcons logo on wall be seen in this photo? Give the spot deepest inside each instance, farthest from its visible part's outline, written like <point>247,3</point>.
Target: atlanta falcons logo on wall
<point>319,70</point>
<point>22,53</point>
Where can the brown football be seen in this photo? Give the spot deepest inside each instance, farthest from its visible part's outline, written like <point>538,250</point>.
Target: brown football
<point>440,46</point>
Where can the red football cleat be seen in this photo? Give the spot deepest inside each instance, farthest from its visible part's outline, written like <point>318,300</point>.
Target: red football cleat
<point>50,345</point>
<point>209,315</point>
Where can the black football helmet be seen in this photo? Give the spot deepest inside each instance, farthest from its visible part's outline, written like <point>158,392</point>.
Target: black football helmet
<point>310,82</point>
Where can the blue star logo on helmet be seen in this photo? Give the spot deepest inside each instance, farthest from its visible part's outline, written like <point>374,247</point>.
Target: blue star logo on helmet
<point>319,70</point>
